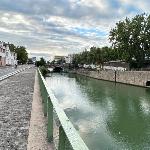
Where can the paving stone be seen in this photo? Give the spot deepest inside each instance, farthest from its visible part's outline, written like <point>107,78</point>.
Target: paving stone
<point>16,95</point>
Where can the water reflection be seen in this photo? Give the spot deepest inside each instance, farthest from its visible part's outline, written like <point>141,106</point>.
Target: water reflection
<point>107,115</point>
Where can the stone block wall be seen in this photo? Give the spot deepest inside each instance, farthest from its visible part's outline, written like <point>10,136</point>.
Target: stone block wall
<point>138,78</point>
<point>133,77</point>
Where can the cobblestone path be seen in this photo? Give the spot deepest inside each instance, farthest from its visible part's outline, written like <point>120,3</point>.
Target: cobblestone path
<point>9,69</point>
<point>15,109</point>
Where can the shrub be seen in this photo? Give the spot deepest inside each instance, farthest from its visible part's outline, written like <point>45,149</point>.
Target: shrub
<point>43,70</point>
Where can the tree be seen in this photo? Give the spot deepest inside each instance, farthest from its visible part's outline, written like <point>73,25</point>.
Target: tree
<point>131,38</point>
<point>22,55</point>
<point>12,47</point>
<point>41,62</point>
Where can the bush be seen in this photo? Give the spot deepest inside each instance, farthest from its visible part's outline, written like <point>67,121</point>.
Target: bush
<point>43,70</point>
<point>41,62</point>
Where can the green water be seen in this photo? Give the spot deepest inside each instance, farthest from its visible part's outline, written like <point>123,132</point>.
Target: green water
<point>107,115</point>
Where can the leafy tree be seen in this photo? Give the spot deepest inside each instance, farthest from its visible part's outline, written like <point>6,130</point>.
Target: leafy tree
<point>22,55</point>
<point>12,47</point>
<point>44,70</point>
<point>95,56</point>
<point>131,38</point>
<point>41,62</point>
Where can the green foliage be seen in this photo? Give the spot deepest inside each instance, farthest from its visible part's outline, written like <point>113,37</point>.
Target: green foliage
<point>12,47</point>
<point>41,62</point>
<point>131,38</point>
<point>22,55</point>
<point>95,56</point>
<point>130,42</point>
<point>43,70</point>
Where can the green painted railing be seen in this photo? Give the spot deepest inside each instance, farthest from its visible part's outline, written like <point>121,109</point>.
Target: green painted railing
<point>69,138</point>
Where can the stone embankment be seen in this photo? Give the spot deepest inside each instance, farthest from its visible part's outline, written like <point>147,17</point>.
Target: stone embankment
<point>138,78</point>
<point>16,95</point>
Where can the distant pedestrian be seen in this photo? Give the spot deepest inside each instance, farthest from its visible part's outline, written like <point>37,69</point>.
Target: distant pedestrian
<point>16,64</point>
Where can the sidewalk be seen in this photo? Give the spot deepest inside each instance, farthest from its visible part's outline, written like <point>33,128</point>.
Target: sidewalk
<point>37,139</point>
<point>8,69</point>
<point>16,95</point>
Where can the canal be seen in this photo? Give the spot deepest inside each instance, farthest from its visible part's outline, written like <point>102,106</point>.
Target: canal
<point>107,115</point>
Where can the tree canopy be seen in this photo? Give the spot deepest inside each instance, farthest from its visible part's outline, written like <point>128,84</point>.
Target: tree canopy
<point>41,62</point>
<point>95,56</point>
<point>22,55</point>
<point>131,38</point>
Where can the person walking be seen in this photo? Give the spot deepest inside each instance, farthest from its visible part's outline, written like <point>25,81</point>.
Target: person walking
<point>16,64</point>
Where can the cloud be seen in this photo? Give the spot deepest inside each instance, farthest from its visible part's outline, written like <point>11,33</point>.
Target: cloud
<point>60,27</point>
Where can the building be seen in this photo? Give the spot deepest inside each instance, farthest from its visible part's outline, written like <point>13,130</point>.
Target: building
<point>69,58</point>
<point>116,65</point>
<point>58,58</point>
<point>6,56</point>
<point>2,55</point>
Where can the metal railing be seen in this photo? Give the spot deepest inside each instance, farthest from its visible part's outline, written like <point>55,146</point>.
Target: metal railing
<point>68,135</point>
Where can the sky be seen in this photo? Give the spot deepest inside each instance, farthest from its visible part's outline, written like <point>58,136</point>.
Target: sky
<point>62,27</point>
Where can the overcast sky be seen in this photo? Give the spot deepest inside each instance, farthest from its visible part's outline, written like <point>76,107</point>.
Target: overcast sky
<point>60,27</point>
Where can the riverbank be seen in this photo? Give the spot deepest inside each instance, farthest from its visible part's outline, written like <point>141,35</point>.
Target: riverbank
<point>137,78</point>
<point>15,109</point>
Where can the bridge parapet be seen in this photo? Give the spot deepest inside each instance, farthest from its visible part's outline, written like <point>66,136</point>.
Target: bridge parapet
<point>68,135</point>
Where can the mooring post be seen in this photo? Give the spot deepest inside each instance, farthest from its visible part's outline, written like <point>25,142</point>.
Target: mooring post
<point>115,75</point>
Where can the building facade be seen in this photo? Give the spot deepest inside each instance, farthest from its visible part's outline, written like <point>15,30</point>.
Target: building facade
<point>6,56</point>
<point>69,58</point>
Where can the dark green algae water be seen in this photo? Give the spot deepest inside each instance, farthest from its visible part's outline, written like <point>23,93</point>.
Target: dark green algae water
<point>108,116</point>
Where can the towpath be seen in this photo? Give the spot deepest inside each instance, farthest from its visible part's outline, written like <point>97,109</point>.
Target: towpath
<point>16,95</point>
<point>8,69</point>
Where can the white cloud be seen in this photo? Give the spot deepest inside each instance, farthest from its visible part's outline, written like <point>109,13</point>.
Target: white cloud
<point>62,27</point>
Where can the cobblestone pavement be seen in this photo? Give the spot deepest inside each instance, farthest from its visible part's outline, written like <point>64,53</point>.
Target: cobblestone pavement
<point>9,69</point>
<point>16,95</point>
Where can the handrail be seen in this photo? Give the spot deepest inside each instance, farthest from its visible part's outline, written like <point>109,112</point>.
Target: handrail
<point>66,130</point>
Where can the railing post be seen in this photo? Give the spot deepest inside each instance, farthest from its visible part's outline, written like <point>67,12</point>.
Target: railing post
<point>45,101</point>
<point>62,139</point>
<point>50,120</point>
<point>41,86</point>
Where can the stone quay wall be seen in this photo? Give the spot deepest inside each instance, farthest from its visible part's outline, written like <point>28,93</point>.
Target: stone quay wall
<point>138,78</point>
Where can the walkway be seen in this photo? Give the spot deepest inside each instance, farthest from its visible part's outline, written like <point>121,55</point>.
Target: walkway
<point>37,139</point>
<point>15,109</point>
<point>9,69</point>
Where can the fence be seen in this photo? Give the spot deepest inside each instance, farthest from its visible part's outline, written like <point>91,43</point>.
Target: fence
<point>69,138</point>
